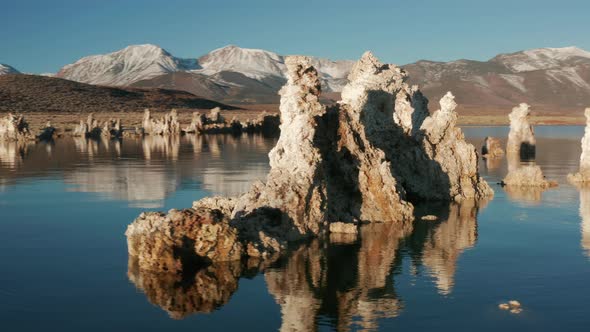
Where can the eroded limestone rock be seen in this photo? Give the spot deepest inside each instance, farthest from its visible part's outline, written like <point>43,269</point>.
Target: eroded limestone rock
<point>583,175</point>
<point>521,147</point>
<point>492,148</point>
<point>363,160</point>
<point>14,128</point>
<point>521,139</point>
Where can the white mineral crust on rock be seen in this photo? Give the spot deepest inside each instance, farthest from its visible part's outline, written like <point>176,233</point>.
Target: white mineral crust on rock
<point>521,147</point>
<point>521,139</point>
<point>584,173</point>
<point>14,128</point>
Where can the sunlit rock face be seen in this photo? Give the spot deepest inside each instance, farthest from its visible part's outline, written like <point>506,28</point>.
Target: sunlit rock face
<point>295,188</point>
<point>521,139</point>
<point>363,160</point>
<point>526,174</point>
<point>584,173</point>
<point>367,187</point>
<point>14,128</point>
<point>449,157</point>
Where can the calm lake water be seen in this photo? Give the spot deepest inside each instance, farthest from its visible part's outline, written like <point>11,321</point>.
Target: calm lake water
<point>64,208</point>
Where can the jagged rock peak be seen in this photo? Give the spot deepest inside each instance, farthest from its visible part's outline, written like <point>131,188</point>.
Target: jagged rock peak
<point>369,74</point>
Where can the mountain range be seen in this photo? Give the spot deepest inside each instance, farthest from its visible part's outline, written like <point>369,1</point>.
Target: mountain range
<point>547,78</point>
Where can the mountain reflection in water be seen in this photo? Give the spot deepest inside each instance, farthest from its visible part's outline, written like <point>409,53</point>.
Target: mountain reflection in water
<point>345,281</point>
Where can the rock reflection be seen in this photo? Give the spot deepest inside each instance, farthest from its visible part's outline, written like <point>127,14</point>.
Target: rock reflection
<point>167,146</point>
<point>346,280</point>
<point>585,217</point>
<point>438,245</point>
<point>140,186</point>
<point>12,153</point>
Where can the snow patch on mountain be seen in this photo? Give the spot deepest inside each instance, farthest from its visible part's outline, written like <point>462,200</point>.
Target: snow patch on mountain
<point>515,81</point>
<point>131,64</point>
<point>6,69</point>
<point>541,58</point>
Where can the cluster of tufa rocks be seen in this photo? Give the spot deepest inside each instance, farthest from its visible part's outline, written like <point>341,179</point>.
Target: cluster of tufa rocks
<point>215,123</point>
<point>91,128</point>
<point>167,125</point>
<point>15,128</point>
<point>363,160</point>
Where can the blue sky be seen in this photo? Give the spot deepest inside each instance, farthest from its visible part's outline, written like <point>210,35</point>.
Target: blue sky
<point>41,36</point>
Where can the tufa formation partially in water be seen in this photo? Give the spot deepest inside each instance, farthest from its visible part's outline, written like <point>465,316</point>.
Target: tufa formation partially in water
<point>521,147</point>
<point>583,175</point>
<point>363,160</point>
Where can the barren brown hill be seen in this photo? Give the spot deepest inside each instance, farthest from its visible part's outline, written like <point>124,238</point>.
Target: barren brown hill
<point>30,93</point>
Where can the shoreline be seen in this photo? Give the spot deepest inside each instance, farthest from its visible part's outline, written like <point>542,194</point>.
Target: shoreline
<point>65,122</point>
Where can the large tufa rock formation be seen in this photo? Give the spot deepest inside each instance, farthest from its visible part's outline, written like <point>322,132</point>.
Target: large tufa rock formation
<point>521,139</point>
<point>521,147</point>
<point>583,175</point>
<point>360,161</point>
<point>14,128</point>
<point>167,125</point>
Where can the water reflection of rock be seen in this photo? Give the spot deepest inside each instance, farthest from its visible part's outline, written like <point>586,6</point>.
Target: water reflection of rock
<point>585,217</point>
<point>439,245</point>
<point>12,153</point>
<point>347,282</point>
<point>136,184</point>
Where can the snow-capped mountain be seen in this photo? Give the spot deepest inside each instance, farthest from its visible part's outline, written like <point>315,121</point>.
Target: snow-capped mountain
<point>556,76</point>
<point>6,69</point>
<point>542,58</point>
<point>124,67</point>
<point>143,62</point>
<point>551,78</point>
<point>253,63</point>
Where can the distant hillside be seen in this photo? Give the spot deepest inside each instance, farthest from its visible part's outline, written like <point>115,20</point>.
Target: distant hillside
<point>32,93</point>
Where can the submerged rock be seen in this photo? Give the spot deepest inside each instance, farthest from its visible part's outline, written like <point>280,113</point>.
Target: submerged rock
<point>583,175</point>
<point>492,148</point>
<point>363,160</point>
<point>14,128</point>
